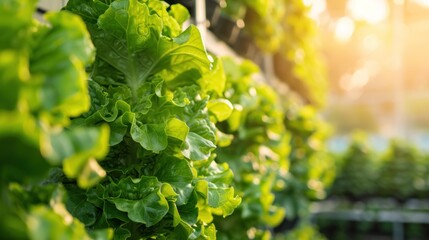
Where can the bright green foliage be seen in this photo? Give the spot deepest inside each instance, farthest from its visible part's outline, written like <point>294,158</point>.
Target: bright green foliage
<point>263,20</point>
<point>43,85</point>
<point>157,90</point>
<point>306,73</point>
<point>312,168</point>
<point>149,111</point>
<point>257,154</point>
<point>284,28</point>
<point>357,170</point>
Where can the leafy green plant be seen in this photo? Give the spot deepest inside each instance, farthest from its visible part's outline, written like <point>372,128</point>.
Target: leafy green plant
<point>43,85</point>
<point>401,172</point>
<point>263,20</point>
<point>357,171</point>
<point>153,85</point>
<point>257,154</point>
<point>285,29</point>
<point>148,111</point>
<point>311,166</point>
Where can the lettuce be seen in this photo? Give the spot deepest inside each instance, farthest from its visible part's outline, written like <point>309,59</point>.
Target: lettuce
<point>156,88</point>
<point>256,124</point>
<point>43,86</point>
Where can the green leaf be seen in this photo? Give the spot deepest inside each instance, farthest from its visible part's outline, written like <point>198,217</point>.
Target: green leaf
<point>12,226</point>
<point>236,118</point>
<point>89,11</point>
<point>102,234</point>
<point>111,212</point>
<point>75,147</point>
<point>200,140</point>
<point>218,173</point>
<point>13,72</point>
<point>43,223</point>
<point>184,59</point>
<point>171,27</point>
<point>215,80</point>
<point>109,106</point>
<point>78,205</point>
<point>179,12</point>
<point>275,216</point>
<point>182,231</point>
<point>150,136</point>
<point>16,18</point>
<point>60,52</point>
<point>204,232</point>
<point>168,192</point>
<point>19,143</point>
<point>197,147</point>
<point>91,174</point>
<point>140,198</point>
<point>176,172</point>
<point>214,189</point>
<point>175,213</point>
<point>122,233</point>
<point>177,129</point>
<point>189,211</point>
<point>220,108</point>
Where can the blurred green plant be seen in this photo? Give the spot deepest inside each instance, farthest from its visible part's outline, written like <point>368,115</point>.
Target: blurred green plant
<point>257,154</point>
<point>312,167</point>
<point>304,231</point>
<point>357,169</point>
<point>277,152</point>
<point>43,85</point>
<point>284,28</point>
<point>402,172</point>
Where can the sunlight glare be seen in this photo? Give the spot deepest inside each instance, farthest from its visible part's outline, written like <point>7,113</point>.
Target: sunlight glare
<point>371,11</point>
<point>344,29</point>
<point>422,2</point>
<point>317,7</point>
<point>355,81</point>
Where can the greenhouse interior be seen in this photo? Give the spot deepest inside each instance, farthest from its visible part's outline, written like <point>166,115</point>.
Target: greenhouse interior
<point>214,119</point>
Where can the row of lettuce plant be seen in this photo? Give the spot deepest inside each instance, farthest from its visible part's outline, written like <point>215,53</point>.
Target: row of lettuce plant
<point>400,171</point>
<point>312,166</point>
<point>122,126</point>
<point>258,155</point>
<point>278,155</point>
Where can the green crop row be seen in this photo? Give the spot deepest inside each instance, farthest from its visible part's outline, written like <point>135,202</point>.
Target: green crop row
<point>400,172</point>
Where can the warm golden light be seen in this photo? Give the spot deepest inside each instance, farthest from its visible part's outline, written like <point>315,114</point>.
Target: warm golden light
<point>370,43</point>
<point>344,29</point>
<point>317,7</point>
<point>422,2</point>
<point>355,81</point>
<point>371,11</point>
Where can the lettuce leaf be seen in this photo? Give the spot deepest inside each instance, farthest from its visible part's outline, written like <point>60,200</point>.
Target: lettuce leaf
<point>140,198</point>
